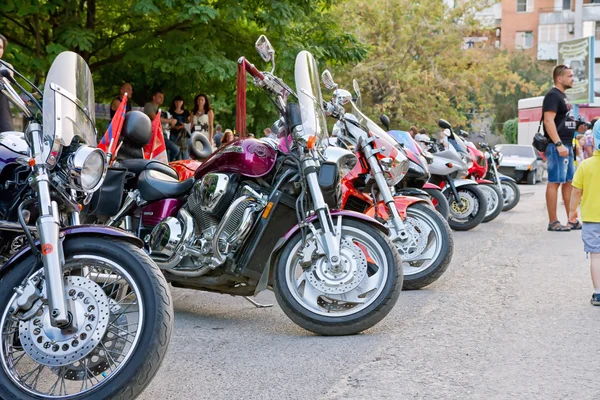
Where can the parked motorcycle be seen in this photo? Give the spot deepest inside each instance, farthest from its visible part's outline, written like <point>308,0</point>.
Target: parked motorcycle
<point>477,172</point>
<point>260,214</point>
<point>467,202</point>
<point>85,313</point>
<point>421,235</point>
<point>510,190</point>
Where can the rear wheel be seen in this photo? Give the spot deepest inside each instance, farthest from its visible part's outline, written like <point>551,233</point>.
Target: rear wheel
<point>532,178</point>
<point>344,300</point>
<point>469,210</point>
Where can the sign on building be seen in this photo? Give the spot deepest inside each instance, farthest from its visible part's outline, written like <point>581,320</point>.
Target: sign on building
<point>579,55</point>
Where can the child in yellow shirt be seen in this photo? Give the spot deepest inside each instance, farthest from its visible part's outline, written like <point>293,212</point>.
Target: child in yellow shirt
<point>586,187</point>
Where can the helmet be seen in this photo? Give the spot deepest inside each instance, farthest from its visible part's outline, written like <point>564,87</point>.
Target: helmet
<point>137,129</point>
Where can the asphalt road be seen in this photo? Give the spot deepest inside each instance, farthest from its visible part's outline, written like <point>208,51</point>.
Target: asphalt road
<point>510,319</point>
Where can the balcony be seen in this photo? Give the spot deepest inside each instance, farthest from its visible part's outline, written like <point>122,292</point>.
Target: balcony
<point>550,16</point>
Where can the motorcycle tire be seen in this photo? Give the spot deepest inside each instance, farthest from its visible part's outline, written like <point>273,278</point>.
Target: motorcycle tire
<point>320,318</point>
<point>439,201</point>
<point>147,347</point>
<point>498,201</point>
<point>419,277</point>
<point>511,195</point>
<point>475,216</point>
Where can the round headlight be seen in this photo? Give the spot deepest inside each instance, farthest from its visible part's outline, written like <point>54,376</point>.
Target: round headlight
<point>87,168</point>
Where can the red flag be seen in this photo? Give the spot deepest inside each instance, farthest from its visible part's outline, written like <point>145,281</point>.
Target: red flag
<point>156,148</point>
<point>240,100</point>
<point>114,129</point>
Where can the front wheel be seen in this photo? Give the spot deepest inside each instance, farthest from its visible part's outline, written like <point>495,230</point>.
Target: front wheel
<point>122,319</point>
<point>494,199</point>
<point>439,201</point>
<point>345,300</point>
<point>532,178</point>
<point>428,252</point>
<point>469,210</point>
<point>511,194</point>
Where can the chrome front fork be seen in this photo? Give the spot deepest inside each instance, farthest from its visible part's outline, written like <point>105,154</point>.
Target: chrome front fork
<point>48,225</point>
<point>330,237</point>
<point>386,194</point>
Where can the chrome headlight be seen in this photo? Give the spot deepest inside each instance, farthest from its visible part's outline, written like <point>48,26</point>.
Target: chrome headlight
<point>345,159</point>
<point>394,169</point>
<point>86,169</point>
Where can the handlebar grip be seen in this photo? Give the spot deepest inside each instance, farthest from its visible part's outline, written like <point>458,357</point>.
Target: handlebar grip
<point>252,70</point>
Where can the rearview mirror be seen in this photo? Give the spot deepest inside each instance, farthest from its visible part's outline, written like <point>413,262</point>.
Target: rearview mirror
<point>327,80</point>
<point>442,123</point>
<point>342,96</point>
<point>264,48</point>
<point>385,120</point>
<point>357,92</point>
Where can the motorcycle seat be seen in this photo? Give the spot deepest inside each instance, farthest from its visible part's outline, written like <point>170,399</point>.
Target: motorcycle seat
<point>138,165</point>
<point>154,185</point>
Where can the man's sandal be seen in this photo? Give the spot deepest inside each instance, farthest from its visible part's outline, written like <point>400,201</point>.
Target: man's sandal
<point>574,226</point>
<point>557,227</point>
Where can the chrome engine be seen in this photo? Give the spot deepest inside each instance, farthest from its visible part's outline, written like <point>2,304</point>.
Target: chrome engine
<point>213,224</point>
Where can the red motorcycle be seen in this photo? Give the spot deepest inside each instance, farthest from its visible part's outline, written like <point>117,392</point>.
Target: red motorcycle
<point>422,235</point>
<point>477,172</point>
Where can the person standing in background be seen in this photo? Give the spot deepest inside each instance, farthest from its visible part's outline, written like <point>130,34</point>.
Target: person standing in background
<point>6,123</point>
<point>413,131</point>
<point>203,117</point>
<point>178,133</point>
<point>218,135</point>
<point>125,88</point>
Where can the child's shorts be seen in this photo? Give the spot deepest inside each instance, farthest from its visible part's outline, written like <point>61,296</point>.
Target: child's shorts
<point>590,233</point>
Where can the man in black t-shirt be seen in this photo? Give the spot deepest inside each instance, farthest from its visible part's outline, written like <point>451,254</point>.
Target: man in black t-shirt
<point>559,128</point>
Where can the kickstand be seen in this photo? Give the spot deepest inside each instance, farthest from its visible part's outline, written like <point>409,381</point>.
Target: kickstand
<point>256,303</point>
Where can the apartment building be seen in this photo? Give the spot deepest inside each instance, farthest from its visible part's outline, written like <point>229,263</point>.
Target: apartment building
<point>537,26</point>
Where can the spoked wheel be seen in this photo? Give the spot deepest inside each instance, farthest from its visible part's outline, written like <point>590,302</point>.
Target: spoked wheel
<point>342,300</point>
<point>428,252</point>
<point>511,195</point>
<point>469,211</point>
<point>120,324</point>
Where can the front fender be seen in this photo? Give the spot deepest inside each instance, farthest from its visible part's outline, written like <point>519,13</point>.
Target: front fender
<point>402,203</point>
<point>484,181</point>
<point>505,178</point>
<point>429,185</point>
<point>70,233</point>
<point>458,183</point>
<point>411,192</point>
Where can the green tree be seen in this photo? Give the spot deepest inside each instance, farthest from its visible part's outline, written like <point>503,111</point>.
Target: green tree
<point>184,47</point>
<point>510,128</point>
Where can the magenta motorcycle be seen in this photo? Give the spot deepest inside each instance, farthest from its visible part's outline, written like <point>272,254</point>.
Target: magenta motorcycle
<point>262,214</point>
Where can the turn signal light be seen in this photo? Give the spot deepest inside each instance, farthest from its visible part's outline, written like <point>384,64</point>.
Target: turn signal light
<point>310,144</point>
<point>449,165</point>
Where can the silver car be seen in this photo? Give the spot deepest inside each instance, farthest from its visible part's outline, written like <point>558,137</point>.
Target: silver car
<point>521,162</point>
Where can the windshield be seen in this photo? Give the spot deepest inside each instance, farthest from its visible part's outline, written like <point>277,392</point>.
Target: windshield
<point>517,151</point>
<point>372,126</point>
<point>68,105</point>
<point>406,140</point>
<point>458,143</point>
<point>308,89</point>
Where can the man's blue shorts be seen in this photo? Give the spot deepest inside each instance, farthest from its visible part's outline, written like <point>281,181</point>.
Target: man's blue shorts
<point>560,169</point>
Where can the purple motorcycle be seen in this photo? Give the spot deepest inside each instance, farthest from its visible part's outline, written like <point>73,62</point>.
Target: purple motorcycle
<point>84,312</point>
<point>258,215</point>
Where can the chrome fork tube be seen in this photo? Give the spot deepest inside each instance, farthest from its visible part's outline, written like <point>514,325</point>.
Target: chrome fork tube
<point>386,193</point>
<point>330,240</point>
<point>52,251</point>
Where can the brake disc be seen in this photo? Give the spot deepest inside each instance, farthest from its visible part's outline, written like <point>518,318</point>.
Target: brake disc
<point>351,272</point>
<point>413,248</point>
<point>55,347</point>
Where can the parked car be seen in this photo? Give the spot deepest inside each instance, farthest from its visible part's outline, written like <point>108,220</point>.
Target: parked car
<point>522,163</point>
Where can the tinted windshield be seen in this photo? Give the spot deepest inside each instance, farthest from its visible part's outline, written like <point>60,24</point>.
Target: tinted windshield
<point>517,151</point>
<point>68,105</point>
<point>458,143</point>
<point>406,140</point>
<point>308,89</point>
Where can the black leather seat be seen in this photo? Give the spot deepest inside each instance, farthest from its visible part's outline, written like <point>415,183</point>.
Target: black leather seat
<point>137,166</point>
<point>154,185</point>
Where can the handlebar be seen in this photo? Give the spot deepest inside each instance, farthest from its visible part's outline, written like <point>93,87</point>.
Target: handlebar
<point>251,69</point>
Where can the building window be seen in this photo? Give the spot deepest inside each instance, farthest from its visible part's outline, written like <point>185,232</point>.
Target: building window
<point>566,5</point>
<point>524,5</point>
<point>524,40</point>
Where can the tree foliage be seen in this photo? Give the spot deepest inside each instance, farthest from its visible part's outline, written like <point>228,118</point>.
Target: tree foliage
<point>181,46</point>
<point>417,70</point>
<point>511,131</point>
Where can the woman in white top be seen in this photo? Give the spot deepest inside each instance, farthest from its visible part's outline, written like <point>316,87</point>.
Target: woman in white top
<point>203,117</point>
